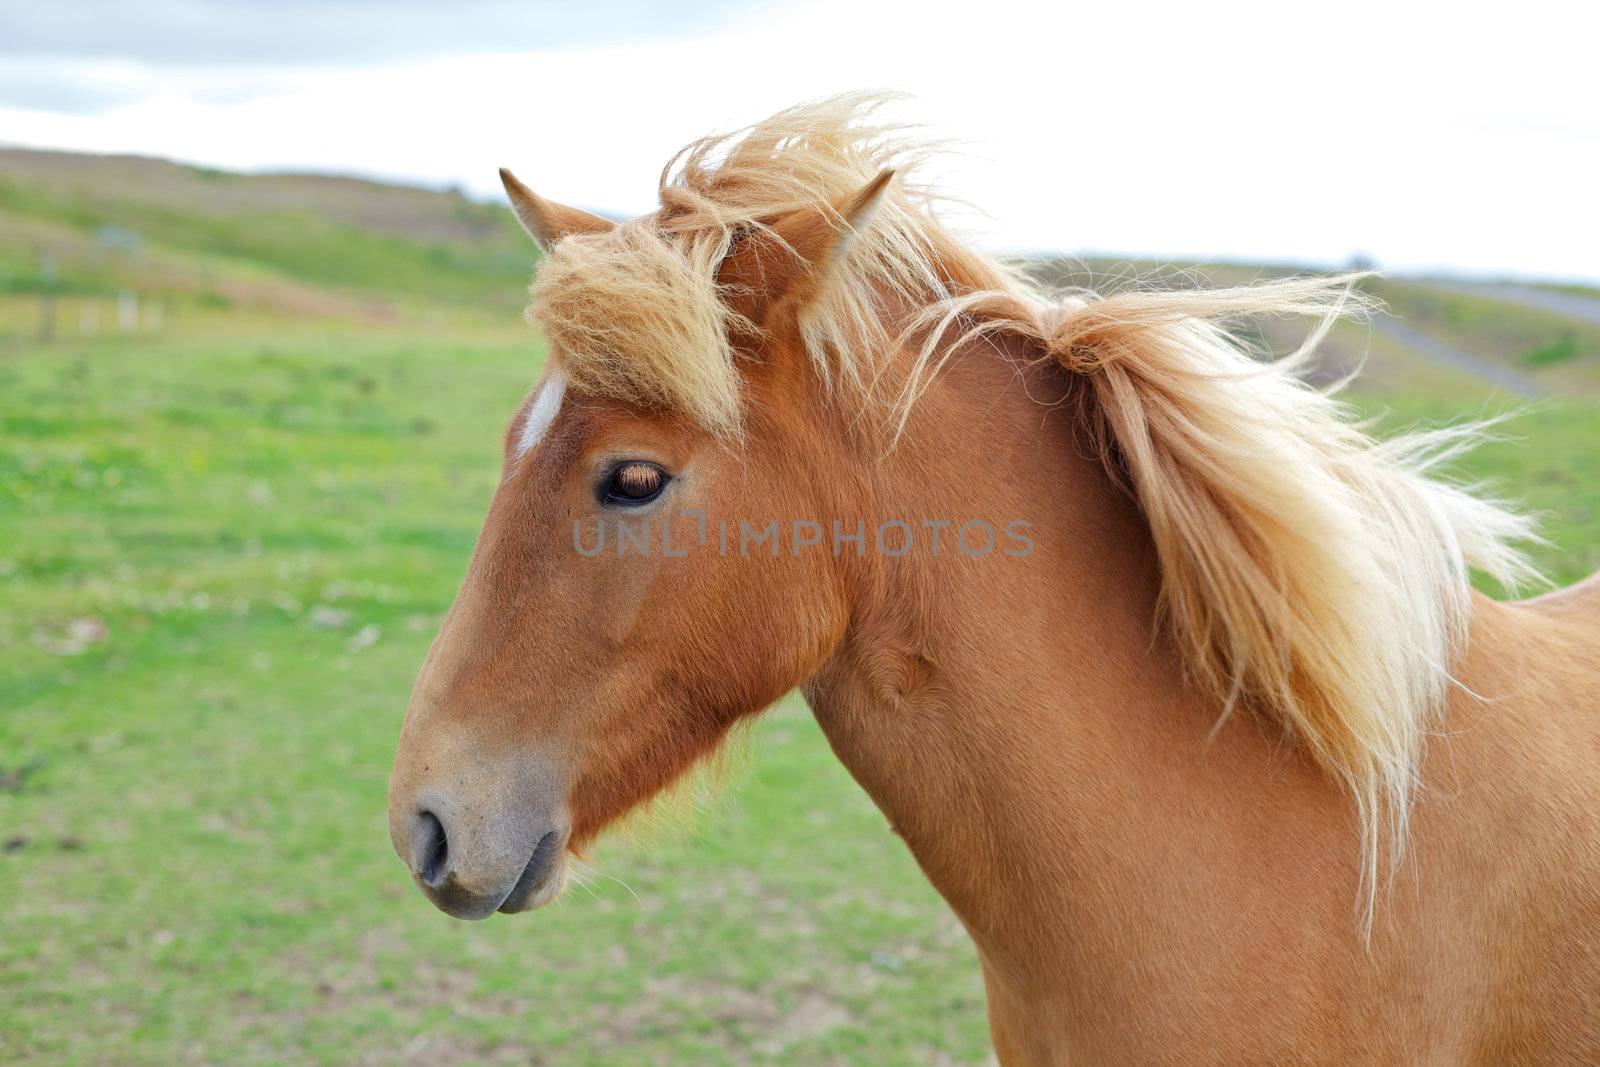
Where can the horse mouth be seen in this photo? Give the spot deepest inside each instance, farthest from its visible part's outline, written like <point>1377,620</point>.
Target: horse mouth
<point>542,879</point>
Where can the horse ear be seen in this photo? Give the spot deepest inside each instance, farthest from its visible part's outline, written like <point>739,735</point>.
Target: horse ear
<point>810,245</point>
<point>546,221</point>
<point>823,239</point>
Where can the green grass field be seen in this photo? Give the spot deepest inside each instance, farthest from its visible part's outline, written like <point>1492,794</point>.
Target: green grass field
<point>223,564</point>
<point>223,550</point>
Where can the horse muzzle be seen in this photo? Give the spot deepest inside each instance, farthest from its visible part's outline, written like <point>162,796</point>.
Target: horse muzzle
<point>470,886</point>
<point>482,838</point>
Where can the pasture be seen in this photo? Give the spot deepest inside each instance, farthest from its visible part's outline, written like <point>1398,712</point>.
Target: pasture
<point>223,564</point>
<point>224,548</point>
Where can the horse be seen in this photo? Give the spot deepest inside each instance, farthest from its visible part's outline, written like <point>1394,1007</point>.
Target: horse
<point>1169,673</point>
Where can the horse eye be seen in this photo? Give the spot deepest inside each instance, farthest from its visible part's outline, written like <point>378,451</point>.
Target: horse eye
<point>633,484</point>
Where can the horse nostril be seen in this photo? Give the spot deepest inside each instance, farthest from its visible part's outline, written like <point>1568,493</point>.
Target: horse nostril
<point>433,848</point>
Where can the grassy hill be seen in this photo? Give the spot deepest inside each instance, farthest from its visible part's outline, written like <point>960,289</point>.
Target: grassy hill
<point>91,227</point>
<point>77,231</point>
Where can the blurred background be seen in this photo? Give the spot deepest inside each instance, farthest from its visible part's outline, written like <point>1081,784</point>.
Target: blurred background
<point>259,334</point>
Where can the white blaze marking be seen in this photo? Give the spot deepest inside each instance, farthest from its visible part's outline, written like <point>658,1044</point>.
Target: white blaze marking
<point>543,412</point>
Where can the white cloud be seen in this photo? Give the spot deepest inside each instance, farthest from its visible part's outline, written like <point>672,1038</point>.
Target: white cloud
<point>1425,139</point>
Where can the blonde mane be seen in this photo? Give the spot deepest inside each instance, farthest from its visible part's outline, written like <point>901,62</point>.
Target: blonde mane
<point>1310,573</point>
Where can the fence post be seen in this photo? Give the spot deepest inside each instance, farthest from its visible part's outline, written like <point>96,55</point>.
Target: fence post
<point>47,295</point>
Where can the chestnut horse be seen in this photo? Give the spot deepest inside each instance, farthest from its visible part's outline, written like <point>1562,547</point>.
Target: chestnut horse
<point>1169,675</point>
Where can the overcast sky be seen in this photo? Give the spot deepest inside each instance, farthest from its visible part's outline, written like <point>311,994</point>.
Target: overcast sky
<point>1426,136</point>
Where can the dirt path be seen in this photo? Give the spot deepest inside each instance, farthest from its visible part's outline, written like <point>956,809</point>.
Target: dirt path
<point>1569,304</point>
<point>1450,356</point>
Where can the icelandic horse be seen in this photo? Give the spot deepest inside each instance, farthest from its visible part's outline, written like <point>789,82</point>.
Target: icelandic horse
<point>1231,766</point>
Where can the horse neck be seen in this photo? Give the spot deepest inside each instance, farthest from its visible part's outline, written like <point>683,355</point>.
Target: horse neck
<point>1011,714</point>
